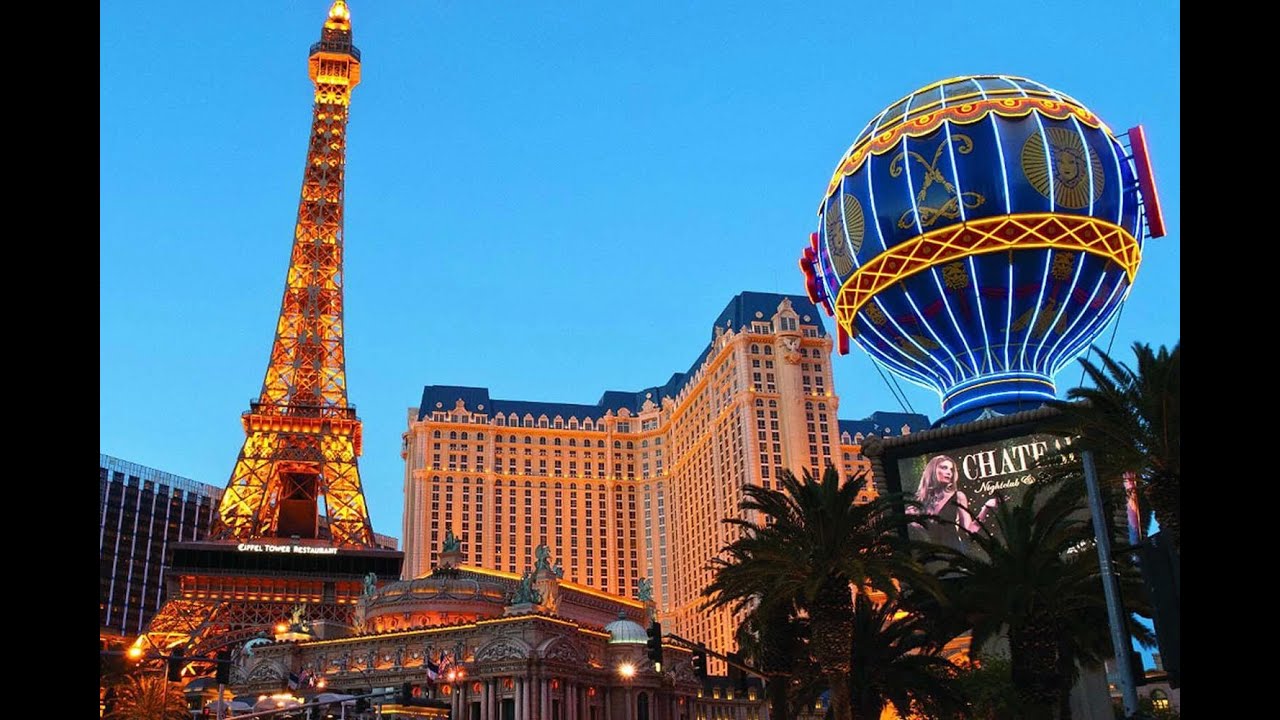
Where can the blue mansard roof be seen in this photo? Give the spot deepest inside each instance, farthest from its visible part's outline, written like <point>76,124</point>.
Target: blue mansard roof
<point>739,313</point>
<point>885,424</point>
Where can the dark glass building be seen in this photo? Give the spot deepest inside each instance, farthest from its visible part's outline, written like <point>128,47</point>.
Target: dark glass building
<point>143,511</point>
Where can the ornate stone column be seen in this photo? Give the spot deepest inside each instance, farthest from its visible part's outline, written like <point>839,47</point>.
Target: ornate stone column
<point>520,693</point>
<point>544,687</point>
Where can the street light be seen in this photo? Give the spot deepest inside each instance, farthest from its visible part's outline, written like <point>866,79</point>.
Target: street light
<point>627,670</point>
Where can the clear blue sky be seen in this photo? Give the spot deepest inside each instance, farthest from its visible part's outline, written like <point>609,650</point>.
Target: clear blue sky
<point>548,199</point>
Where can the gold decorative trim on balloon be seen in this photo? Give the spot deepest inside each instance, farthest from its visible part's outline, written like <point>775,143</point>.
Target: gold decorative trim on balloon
<point>965,113</point>
<point>951,201</point>
<point>1071,164</point>
<point>978,237</point>
<point>851,222</point>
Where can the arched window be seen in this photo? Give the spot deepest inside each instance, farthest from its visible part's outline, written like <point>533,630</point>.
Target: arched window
<point>542,440</point>
<point>464,435</point>
<point>513,439</point>
<point>453,435</point>
<point>768,349</point>
<point>436,434</point>
<point>631,445</point>
<point>479,436</point>
<point>556,441</point>
<point>642,706</point>
<point>573,442</point>
<point>528,439</point>
<point>617,444</point>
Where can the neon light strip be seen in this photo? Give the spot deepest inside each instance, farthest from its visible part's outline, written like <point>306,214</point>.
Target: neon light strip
<point>1095,326</point>
<point>906,167</point>
<point>955,172</point>
<point>1030,376</point>
<point>873,218</point>
<point>949,380</point>
<point>1008,319</point>
<point>1084,310</point>
<point>1048,159</point>
<point>982,321</point>
<point>914,372</point>
<point>1088,161</point>
<point>954,362</point>
<point>987,399</point>
<point>915,365</point>
<point>1092,329</point>
<point>1004,170</point>
<point>955,175</point>
<point>998,379</point>
<point>946,302</point>
<point>1035,361</point>
<point>1035,310</point>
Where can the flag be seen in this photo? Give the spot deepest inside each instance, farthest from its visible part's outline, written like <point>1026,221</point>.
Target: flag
<point>433,669</point>
<point>293,681</point>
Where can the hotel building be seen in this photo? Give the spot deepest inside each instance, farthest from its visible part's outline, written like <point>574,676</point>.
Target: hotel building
<point>143,511</point>
<point>636,485</point>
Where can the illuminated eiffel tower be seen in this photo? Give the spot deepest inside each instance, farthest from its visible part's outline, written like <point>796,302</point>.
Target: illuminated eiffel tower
<point>273,553</point>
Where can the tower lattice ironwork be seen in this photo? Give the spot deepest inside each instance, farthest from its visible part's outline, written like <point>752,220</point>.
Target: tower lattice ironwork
<point>292,529</point>
<point>302,438</point>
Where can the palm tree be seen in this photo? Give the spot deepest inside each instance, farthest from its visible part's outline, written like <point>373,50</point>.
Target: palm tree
<point>896,659</point>
<point>1034,581</point>
<point>812,545</point>
<point>775,639</point>
<point>150,697</point>
<point>1131,421</point>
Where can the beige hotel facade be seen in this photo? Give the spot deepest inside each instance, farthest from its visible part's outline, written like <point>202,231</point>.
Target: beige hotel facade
<point>635,486</point>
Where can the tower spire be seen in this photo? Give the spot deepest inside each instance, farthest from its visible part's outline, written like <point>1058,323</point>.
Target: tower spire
<point>302,437</point>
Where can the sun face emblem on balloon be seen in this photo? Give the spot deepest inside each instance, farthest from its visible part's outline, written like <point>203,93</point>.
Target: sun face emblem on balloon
<point>851,223</point>
<point>1072,166</point>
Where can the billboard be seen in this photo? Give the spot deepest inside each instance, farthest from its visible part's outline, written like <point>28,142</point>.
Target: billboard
<point>964,485</point>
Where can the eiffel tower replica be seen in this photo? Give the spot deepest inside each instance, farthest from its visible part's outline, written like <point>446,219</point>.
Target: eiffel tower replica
<point>272,556</point>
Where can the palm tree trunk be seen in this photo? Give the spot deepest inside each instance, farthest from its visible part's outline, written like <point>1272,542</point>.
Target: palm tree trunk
<point>776,689</point>
<point>1033,651</point>
<point>832,643</point>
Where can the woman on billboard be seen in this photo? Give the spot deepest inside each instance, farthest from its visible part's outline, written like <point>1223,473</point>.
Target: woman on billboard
<point>940,497</point>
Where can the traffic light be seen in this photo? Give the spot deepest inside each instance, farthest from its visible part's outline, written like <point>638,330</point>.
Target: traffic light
<point>654,644</point>
<point>223,675</point>
<point>406,694</point>
<point>700,662</point>
<point>362,705</point>
<point>175,667</point>
<point>736,675</point>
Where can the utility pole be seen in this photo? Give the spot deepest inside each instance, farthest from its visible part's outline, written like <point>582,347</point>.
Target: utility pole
<point>1115,615</point>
